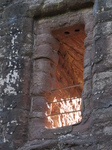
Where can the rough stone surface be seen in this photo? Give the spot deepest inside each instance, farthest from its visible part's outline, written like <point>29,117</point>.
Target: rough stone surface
<point>29,55</point>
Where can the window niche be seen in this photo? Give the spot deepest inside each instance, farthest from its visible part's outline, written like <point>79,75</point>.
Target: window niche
<point>65,104</point>
<point>59,67</point>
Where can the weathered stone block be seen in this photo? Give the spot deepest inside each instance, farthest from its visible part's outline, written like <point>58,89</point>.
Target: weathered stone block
<point>36,127</point>
<point>17,10</point>
<point>20,102</point>
<point>41,29</point>
<point>103,16</point>
<point>25,25</point>
<point>47,39</point>
<point>46,51</point>
<point>103,45</point>
<point>88,40</point>
<point>87,73</point>
<point>102,6</point>
<point>100,101</point>
<point>26,50</point>
<point>42,83</point>
<point>52,7</point>
<point>38,130</point>
<point>100,80</point>
<point>20,136</point>
<point>108,130</point>
<point>87,62</point>
<point>104,65</point>
<point>44,65</point>
<point>104,28</point>
<point>87,87</point>
<point>102,115</point>
<point>87,107</point>
<point>38,104</point>
<point>89,53</point>
<point>89,27</point>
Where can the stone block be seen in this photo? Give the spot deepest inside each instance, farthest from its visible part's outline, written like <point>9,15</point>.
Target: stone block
<point>104,28</point>
<point>44,65</point>
<point>20,136</point>
<point>102,5</point>
<point>102,58</point>
<point>87,107</point>
<point>19,102</point>
<point>42,83</point>
<point>87,73</point>
<point>16,76</point>
<point>17,125</point>
<point>87,62</point>
<point>25,25</point>
<point>87,87</point>
<point>48,39</point>
<point>103,16</point>
<point>104,65</point>
<point>40,29</point>
<point>88,40</point>
<point>89,53</point>
<point>38,104</point>
<point>17,10</point>
<point>26,49</point>
<point>100,101</point>
<point>74,3</point>
<point>36,128</point>
<point>25,37</point>
<point>45,51</point>
<point>22,116</point>
<point>13,63</point>
<point>103,45</point>
<point>89,26</point>
<point>102,79</point>
<point>50,8</point>
<point>102,115</point>
<point>108,44</point>
<point>108,130</point>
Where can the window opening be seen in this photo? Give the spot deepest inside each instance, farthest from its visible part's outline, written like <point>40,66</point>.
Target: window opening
<point>65,103</point>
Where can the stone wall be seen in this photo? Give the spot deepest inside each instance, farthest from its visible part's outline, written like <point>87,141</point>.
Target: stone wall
<point>16,44</point>
<point>17,83</point>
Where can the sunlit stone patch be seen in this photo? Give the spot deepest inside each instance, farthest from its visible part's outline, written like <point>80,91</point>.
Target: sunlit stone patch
<point>64,112</point>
